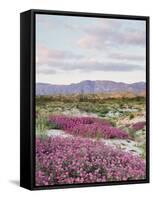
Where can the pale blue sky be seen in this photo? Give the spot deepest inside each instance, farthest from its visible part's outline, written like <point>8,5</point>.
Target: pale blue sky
<point>71,49</point>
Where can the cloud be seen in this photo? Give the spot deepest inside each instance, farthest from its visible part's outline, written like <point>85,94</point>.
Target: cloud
<point>112,66</point>
<point>131,37</point>
<point>58,61</point>
<point>106,36</point>
<point>111,33</point>
<point>45,70</point>
<point>46,56</point>
<point>127,56</point>
<point>90,41</point>
<point>89,66</point>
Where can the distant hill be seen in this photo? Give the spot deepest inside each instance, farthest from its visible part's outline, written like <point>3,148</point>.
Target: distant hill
<point>88,87</point>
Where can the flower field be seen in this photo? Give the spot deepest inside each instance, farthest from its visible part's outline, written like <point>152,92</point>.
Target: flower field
<point>67,161</point>
<point>87,127</point>
<point>83,152</point>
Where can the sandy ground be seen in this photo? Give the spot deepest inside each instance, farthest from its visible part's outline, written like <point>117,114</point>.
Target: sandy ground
<point>55,132</point>
<point>76,112</point>
<point>125,145</point>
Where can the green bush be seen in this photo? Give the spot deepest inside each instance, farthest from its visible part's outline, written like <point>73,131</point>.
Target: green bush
<point>131,116</point>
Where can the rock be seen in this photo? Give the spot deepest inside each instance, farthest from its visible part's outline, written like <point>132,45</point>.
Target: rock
<point>126,145</point>
<point>57,132</point>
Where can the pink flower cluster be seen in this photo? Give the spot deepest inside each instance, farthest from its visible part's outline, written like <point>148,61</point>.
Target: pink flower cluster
<point>138,126</point>
<point>79,160</point>
<point>87,127</point>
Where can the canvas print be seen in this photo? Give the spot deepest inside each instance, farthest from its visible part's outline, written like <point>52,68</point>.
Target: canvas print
<point>90,100</point>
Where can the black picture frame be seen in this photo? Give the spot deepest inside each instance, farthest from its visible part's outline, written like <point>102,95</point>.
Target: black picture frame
<point>27,97</point>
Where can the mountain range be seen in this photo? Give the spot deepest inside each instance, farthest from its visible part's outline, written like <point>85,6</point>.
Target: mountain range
<point>88,86</point>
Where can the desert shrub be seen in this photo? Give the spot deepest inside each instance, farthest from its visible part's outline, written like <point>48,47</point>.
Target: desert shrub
<point>138,126</point>
<point>131,132</point>
<point>42,124</point>
<point>103,111</point>
<point>113,122</point>
<point>131,116</point>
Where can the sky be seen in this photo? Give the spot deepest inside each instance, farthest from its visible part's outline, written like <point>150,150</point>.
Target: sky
<point>70,49</point>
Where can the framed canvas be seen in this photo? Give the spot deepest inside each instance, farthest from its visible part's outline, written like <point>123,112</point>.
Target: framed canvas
<point>84,99</point>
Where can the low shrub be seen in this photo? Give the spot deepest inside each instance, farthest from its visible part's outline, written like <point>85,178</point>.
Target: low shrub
<point>138,126</point>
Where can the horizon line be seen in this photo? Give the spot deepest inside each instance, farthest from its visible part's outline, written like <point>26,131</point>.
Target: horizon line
<point>91,81</point>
